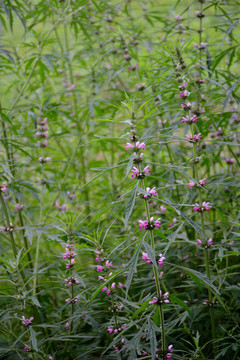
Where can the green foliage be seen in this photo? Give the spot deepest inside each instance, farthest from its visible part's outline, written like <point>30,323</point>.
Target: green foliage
<point>101,72</point>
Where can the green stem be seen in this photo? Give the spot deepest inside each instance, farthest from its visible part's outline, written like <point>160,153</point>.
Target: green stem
<point>206,255</point>
<point>160,311</point>
<point>8,224</point>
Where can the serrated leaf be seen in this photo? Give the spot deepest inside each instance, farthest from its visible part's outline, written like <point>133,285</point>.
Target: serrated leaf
<point>130,205</point>
<point>175,300</point>
<point>151,253</point>
<point>33,338</point>
<point>132,266</point>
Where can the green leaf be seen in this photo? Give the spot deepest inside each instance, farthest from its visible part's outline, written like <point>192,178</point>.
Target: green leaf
<point>99,288</point>
<point>132,266</point>
<point>33,338</point>
<point>151,253</point>
<point>196,274</point>
<point>175,300</point>
<point>152,328</point>
<point>221,56</point>
<point>130,205</point>
<point>190,221</point>
<point>140,310</point>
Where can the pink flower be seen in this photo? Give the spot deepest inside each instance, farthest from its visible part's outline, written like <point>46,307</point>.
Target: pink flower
<point>154,301</point>
<point>196,207</point>
<point>170,348</point>
<point>203,181</point>
<point>210,242</point>
<point>200,46</point>
<point>146,258</point>
<point>27,348</point>
<point>178,17</point>
<point>109,264</point>
<point>161,260</point>
<point>186,106</point>
<point>100,268</point>
<point>44,160</point>
<point>68,254</point>
<point>151,191</point>
<point>189,120</point>
<point>121,286</point>
<point>195,138</point>
<point>143,224</point>
<point>71,196</point>
<point>184,94</point>
<point>163,209</point>
<point>199,242</point>
<point>101,278</point>
<point>72,263</point>
<point>135,172</point>
<point>3,187</point>
<point>18,207</point>
<point>67,326</point>
<point>191,184</point>
<point>165,296</point>
<point>25,321</point>
<point>205,207</point>
<point>163,299</point>
<point>149,226</point>
<point>129,146</point>
<point>146,170</point>
<point>110,329</point>
<point>62,207</point>
<point>140,145</point>
<point>230,161</point>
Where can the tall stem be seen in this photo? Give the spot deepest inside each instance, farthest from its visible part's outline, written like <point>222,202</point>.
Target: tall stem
<point>158,288</point>
<point>8,224</point>
<point>206,255</point>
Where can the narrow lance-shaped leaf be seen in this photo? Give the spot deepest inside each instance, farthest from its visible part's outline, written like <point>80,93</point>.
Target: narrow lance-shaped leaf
<point>130,205</point>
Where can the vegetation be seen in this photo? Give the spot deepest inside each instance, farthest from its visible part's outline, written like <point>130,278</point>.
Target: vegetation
<point>119,188</point>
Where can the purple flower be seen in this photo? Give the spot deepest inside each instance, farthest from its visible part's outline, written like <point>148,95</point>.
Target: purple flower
<point>3,187</point>
<point>161,260</point>
<point>203,181</point>
<point>210,242</point>
<point>205,207</point>
<point>191,184</point>
<point>146,258</point>
<point>149,226</point>
<point>18,207</point>
<point>62,207</point>
<point>194,138</point>
<point>189,120</point>
<point>150,191</point>
<point>26,322</point>
<point>27,348</point>
<point>184,94</point>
